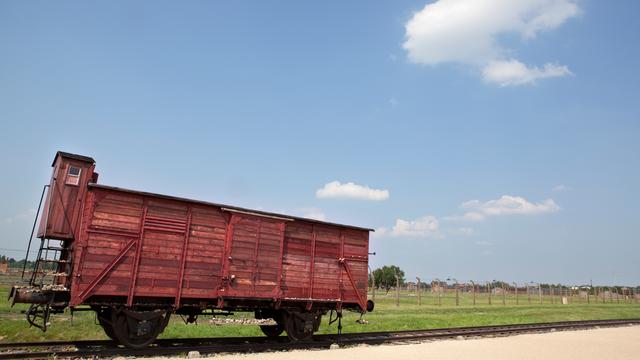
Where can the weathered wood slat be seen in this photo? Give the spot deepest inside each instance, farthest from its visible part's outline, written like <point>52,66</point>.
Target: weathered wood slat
<point>267,254</point>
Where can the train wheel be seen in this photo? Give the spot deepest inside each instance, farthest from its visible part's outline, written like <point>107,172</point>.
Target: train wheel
<point>300,325</point>
<point>138,329</point>
<point>271,331</point>
<point>109,331</point>
<point>104,319</point>
<point>316,323</point>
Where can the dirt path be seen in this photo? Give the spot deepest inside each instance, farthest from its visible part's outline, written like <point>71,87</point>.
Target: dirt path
<point>598,344</point>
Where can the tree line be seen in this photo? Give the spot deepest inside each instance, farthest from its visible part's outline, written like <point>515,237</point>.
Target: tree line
<point>388,276</point>
<point>13,263</point>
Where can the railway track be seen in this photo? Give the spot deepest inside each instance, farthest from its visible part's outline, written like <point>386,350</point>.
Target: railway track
<point>100,348</point>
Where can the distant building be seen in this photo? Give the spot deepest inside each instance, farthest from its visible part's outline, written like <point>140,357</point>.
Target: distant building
<point>499,291</point>
<point>4,267</point>
<point>438,287</point>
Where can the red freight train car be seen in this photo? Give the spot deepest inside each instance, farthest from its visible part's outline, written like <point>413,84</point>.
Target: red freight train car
<point>136,257</point>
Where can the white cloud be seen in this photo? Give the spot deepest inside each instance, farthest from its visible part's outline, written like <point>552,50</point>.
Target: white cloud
<point>469,32</point>
<point>335,189</point>
<point>560,188</point>
<point>484,243</point>
<point>380,232</point>
<point>393,102</point>
<point>426,226</point>
<point>513,72</point>
<point>313,213</point>
<point>467,231</point>
<point>21,216</point>
<point>506,205</point>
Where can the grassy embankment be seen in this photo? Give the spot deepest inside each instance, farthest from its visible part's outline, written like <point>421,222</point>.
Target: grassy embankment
<point>386,316</point>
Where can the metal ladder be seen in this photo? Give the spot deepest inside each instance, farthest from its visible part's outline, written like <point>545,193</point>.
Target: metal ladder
<point>48,267</point>
<point>48,263</point>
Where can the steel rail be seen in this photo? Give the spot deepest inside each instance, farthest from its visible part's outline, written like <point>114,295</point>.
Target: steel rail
<point>106,348</point>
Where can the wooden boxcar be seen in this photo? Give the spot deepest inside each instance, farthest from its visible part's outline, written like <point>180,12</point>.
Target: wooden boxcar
<point>136,257</point>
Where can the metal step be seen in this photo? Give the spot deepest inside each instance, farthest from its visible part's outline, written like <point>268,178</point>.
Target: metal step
<point>53,248</point>
<point>52,273</point>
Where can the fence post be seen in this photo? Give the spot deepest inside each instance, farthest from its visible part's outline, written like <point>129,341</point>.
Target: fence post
<point>397,289</point>
<point>373,288</point>
<point>419,292</point>
<point>628,298</point>
<point>504,295</point>
<point>540,292</point>
<point>551,292</point>
<point>489,290</point>
<point>599,294</point>
<point>588,293</point>
<point>474,292</point>
<point>610,295</point>
<point>516,287</point>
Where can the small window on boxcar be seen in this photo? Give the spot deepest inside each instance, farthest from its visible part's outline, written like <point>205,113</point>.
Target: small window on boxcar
<point>73,176</point>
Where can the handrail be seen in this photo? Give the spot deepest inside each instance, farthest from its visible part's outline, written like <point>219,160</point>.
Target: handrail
<point>33,229</point>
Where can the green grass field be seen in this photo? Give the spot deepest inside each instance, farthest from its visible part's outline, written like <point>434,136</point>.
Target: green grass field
<point>386,316</point>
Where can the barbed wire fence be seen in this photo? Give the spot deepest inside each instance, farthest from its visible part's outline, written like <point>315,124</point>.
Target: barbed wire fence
<point>477,293</point>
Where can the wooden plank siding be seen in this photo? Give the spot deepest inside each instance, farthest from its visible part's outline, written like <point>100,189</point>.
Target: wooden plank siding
<point>189,250</point>
<point>64,199</point>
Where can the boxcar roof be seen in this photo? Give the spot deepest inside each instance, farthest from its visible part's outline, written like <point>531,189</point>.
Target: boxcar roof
<point>232,208</point>
<point>72,156</point>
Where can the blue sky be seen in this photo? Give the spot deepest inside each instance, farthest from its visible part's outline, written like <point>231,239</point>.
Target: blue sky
<point>529,109</point>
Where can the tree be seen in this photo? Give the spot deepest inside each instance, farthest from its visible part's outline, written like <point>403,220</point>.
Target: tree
<point>385,277</point>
